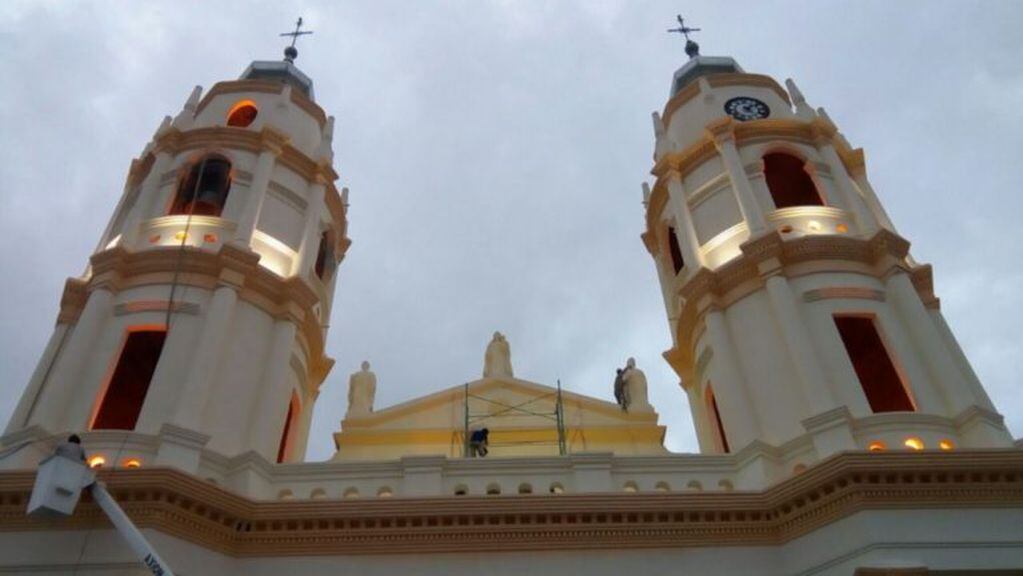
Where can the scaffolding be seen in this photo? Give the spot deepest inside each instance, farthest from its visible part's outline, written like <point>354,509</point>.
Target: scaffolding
<point>508,410</point>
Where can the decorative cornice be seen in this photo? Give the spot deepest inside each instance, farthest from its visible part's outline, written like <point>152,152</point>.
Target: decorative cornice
<point>206,515</point>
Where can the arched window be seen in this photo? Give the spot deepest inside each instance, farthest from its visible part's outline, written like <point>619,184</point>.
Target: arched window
<point>874,368</point>
<point>288,434</point>
<point>204,191</point>
<point>788,182</point>
<point>326,262</point>
<point>676,252</point>
<point>715,415</point>
<point>125,393</point>
<point>242,114</point>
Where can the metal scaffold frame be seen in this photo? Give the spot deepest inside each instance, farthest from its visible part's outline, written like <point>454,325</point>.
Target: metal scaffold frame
<point>508,410</point>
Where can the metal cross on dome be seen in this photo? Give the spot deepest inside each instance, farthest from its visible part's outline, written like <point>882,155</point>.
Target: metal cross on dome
<point>290,53</point>
<point>692,48</point>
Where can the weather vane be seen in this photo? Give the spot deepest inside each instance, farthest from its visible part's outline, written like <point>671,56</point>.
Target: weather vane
<point>290,53</point>
<point>692,48</point>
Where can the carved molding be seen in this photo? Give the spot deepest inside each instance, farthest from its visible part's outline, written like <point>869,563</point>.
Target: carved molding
<point>184,506</point>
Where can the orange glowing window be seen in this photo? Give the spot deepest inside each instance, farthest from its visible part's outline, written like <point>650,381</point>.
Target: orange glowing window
<point>914,443</point>
<point>132,463</point>
<point>97,461</point>
<point>876,446</point>
<point>242,114</point>
<point>946,444</point>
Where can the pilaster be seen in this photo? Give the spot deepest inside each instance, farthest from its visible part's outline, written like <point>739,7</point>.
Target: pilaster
<point>683,217</point>
<point>739,418</point>
<point>272,144</point>
<point>723,134</point>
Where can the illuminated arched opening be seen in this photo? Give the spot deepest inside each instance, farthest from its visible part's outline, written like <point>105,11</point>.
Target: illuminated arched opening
<point>203,191</point>
<point>125,393</point>
<point>326,259</point>
<point>242,114</point>
<point>288,434</point>
<point>677,263</point>
<point>720,439</point>
<point>788,181</point>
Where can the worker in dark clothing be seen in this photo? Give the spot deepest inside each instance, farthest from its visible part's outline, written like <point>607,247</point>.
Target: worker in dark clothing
<point>478,443</point>
<point>71,448</point>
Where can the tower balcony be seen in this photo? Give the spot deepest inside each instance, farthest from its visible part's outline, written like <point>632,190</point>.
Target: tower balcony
<point>205,232</point>
<point>210,233</point>
<point>791,223</point>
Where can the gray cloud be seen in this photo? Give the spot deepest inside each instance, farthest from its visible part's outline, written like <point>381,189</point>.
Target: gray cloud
<point>494,151</point>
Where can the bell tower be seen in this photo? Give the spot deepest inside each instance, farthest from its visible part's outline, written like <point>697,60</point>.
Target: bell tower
<point>799,319</point>
<point>201,317</point>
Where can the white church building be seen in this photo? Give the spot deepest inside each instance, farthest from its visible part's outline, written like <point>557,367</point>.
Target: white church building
<point>841,428</point>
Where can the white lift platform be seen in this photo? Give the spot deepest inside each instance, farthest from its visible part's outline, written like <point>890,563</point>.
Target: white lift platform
<point>59,484</point>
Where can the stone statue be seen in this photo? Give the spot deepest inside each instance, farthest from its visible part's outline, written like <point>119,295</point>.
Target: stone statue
<point>362,389</point>
<point>635,392</point>
<point>497,360</point>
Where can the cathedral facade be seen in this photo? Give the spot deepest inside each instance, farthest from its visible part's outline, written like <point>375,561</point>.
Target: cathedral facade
<point>841,427</point>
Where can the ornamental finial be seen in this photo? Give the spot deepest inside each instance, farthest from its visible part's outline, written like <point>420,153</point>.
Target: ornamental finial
<point>692,48</point>
<point>290,53</point>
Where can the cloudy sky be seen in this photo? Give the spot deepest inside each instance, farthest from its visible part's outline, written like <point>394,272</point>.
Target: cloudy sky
<point>494,152</point>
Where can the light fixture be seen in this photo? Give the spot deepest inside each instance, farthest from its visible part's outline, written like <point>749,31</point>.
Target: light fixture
<point>97,461</point>
<point>914,443</point>
<point>132,463</point>
<point>946,444</point>
<point>876,446</point>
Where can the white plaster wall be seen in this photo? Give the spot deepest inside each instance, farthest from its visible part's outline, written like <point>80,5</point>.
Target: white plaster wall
<point>686,126</point>
<point>274,111</point>
<point>715,213</point>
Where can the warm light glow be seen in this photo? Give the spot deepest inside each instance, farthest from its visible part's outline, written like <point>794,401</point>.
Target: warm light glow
<point>209,238</point>
<point>914,443</point>
<point>946,444</point>
<point>813,226</point>
<point>876,446</point>
<point>132,463</point>
<point>97,461</point>
<point>114,242</point>
<point>841,228</point>
<point>242,114</point>
<point>179,236</point>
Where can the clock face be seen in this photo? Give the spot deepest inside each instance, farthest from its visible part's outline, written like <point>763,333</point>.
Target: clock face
<point>745,108</point>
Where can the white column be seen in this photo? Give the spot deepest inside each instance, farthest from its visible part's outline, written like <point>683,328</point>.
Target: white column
<point>690,244</point>
<point>856,203</point>
<point>300,438</point>
<point>266,422</point>
<point>254,201</point>
<point>739,418</point>
<point>740,184</point>
<point>311,234</point>
<point>814,383</point>
<point>29,398</point>
<point>195,390</point>
<point>936,357</point>
<point>57,394</point>
<point>697,407</point>
<point>143,208</point>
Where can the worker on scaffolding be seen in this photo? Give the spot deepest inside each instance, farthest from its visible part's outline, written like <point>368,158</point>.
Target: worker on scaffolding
<point>478,443</point>
<point>71,448</point>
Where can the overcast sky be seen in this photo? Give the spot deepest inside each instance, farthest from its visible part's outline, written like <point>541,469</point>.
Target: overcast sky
<point>494,152</point>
